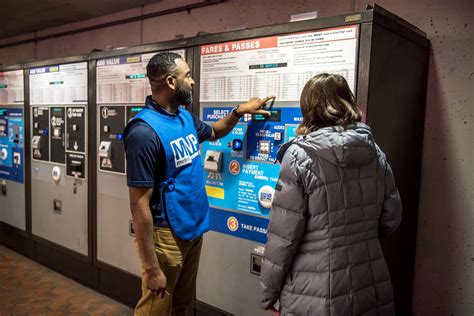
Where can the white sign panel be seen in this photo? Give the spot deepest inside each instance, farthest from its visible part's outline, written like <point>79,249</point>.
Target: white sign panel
<point>59,84</point>
<point>11,87</point>
<point>278,65</point>
<point>123,79</point>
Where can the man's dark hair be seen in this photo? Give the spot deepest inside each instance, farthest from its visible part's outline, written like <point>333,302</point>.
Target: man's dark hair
<point>160,66</point>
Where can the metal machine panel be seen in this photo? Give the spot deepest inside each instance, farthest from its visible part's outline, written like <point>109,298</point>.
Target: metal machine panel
<point>59,192</point>
<point>12,158</point>
<point>232,286</point>
<point>58,214</point>
<point>115,238</point>
<point>12,204</point>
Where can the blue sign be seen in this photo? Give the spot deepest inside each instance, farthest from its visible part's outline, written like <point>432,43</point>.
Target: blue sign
<point>241,186</point>
<point>11,145</point>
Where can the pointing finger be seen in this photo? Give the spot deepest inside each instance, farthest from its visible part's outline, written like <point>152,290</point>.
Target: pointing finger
<point>268,98</point>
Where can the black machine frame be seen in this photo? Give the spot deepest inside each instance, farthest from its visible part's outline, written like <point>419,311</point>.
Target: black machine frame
<point>395,113</point>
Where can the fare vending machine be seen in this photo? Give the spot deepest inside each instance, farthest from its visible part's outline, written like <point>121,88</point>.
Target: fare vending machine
<point>122,86</point>
<point>12,160</point>
<point>59,184</point>
<point>240,169</point>
<point>384,60</point>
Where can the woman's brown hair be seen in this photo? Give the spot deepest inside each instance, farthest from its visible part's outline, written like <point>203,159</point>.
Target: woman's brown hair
<point>327,100</point>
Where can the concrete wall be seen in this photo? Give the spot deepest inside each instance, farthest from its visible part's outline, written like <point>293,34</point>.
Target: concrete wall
<point>444,276</point>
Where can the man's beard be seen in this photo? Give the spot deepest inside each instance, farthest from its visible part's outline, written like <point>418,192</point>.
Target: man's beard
<point>183,96</point>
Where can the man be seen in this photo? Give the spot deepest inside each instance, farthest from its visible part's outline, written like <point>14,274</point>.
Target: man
<point>167,195</point>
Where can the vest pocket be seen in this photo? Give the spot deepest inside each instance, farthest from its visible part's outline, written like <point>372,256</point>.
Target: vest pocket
<point>188,214</point>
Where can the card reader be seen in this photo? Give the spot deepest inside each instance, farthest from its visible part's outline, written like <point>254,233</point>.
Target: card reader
<point>213,161</point>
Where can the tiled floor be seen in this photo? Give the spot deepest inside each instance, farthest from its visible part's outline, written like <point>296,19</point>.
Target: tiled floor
<point>28,288</point>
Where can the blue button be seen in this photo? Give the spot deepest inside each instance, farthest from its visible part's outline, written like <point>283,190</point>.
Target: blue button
<point>237,144</point>
<point>119,136</point>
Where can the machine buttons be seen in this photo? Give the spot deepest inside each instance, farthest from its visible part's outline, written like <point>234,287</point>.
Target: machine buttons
<point>237,145</point>
<point>106,128</point>
<point>264,147</point>
<point>277,136</point>
<point>75,127</point>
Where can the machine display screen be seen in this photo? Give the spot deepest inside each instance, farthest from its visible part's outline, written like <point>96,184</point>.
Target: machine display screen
<point>59,84</point>
<point>123,79</point>
<point>11,87</point>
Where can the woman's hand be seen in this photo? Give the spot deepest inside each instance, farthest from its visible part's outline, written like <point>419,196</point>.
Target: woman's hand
<point>273,311</point>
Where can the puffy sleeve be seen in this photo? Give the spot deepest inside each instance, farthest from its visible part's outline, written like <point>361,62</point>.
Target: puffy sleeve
<point>285,230</point>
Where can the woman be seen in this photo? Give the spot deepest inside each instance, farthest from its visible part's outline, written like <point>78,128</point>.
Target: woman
<point>335,197</point>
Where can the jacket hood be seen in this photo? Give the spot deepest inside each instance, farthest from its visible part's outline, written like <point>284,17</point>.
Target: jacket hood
<point>350,147</point>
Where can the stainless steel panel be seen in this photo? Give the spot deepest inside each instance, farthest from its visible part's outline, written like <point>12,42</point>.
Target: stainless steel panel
<point>68,229</point>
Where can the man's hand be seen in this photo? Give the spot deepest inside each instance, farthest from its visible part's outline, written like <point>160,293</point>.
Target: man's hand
<point>227,123</point>
<point>273,311</point>
<point>156,283</point>
<point>254,106</point>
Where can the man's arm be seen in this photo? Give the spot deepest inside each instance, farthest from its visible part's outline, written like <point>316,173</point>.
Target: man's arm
<point>222,127</point>
<point>154,278</point>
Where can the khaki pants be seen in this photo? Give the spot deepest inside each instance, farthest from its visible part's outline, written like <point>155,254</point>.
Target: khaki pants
<point>179,261</point>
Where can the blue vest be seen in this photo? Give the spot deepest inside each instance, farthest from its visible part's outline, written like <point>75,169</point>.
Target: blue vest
<point>183,192</point>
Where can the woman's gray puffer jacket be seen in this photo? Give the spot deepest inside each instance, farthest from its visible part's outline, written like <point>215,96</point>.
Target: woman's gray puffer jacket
<point>335,197</point>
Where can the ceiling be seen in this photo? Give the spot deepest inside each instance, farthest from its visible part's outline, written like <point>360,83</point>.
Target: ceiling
<point>27,16</point>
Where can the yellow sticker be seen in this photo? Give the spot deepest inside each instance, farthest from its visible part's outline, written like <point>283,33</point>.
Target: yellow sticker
<point>214,192</point>
<point>53,69</point>
<point>133,59</point>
